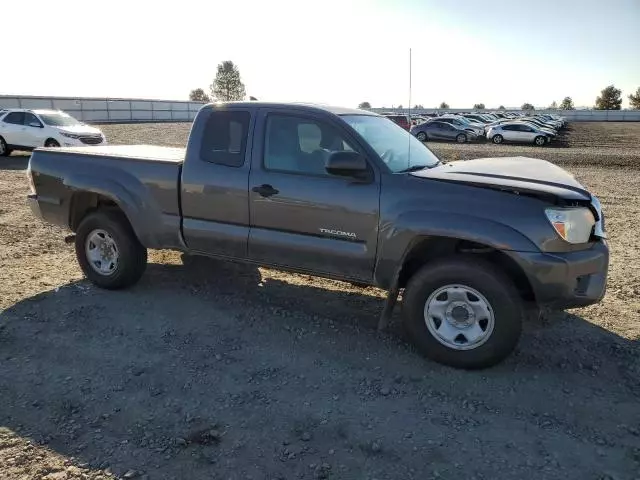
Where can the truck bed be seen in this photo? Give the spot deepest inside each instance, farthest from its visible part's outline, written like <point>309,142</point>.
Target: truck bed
<point>143,180</point>
<point>133,152</point>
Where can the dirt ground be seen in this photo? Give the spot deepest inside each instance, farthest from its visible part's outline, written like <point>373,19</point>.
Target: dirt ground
<point>211,370</point>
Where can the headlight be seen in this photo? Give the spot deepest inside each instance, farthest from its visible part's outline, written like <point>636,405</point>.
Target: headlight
<point>69,135</point>
<point>573,224</point>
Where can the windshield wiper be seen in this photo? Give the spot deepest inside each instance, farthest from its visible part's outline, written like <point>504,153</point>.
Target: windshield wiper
<point>415,168</point>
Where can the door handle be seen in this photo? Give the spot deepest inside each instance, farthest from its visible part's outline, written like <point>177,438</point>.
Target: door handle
<point>265,190</point>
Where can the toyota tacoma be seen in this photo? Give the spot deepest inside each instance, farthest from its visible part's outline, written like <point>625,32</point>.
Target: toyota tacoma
<point>346,194</point>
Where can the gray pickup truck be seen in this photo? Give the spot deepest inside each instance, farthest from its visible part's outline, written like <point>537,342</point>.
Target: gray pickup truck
<point>345,194</point>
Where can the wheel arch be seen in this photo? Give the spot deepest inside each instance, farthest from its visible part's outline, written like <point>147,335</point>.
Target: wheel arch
<point>430,248</point>
<point>82,203</point>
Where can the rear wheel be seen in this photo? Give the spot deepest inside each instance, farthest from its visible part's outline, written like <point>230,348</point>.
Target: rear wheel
<point>108,251</point>
<point>461,138</point>
<point>51,143</point>
<point>497,139</point>
<point>5,151</point>
<point>422,136</point>
<point>463,312</point>
<point>540,140</point>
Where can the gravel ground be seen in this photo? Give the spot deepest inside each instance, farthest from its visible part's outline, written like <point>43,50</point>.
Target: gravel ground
<point>212,370</point>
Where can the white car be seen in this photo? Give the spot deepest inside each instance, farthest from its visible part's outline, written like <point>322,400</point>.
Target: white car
<point>22,129</point>
<point>518,132</point>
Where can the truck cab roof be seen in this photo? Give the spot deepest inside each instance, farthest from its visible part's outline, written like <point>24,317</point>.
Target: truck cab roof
<point>302,106</point>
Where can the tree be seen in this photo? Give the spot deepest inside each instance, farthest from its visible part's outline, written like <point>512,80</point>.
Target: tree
<point>364,106</point>
<point>478,106</point>
<point>610,99</point>
<point>227,85</point>
<point>527,106</point>
<point>634,100</point>
<point>501,107</point>
<point>399,106</point>
<point>253,99</point>
<point>198,95</point>
<point>418,107</point>
<point>553,106</point>
<point>444,105</point>
<point>567,104</point>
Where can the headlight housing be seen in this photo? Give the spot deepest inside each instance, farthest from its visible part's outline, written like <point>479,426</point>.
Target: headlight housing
<point>574,225</point>
<point>69,135</point>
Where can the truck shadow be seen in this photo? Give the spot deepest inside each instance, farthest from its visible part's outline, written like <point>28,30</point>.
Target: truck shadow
<point>131,379</point>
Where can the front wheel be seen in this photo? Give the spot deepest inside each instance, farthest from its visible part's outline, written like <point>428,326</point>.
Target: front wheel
<point>461,138</point>
<point>422,136</point>
<point>51,143</point>
<point>463,312</point>
<point>497,139</point>
<point>540,141</point>
<point>108,251</point>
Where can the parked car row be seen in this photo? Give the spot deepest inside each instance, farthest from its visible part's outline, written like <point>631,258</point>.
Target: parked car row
<point>499,127</point>
<point>22,129</point>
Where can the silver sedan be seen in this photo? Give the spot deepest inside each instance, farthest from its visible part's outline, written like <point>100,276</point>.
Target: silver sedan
<point>518,132</point>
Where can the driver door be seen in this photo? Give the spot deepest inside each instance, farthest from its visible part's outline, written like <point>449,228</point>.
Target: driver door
<point>449,132</point>
<point>302,217</point>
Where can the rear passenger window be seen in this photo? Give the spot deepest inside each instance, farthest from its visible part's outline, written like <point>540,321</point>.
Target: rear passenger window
<point>225,138</point>
<point>16,118</point>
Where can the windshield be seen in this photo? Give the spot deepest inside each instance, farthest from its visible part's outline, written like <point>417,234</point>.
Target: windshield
<point>58,119</point>
<point>398,148</point>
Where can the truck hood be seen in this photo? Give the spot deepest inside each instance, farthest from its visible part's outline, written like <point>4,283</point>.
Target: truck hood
<point>514,174</point>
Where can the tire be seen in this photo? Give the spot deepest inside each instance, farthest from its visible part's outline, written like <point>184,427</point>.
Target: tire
<point>112,228</point>
<point>422,136</point>
<point>504,313</point>
<point>539,141</point>
<point>5,151</point>
<point>461,138</point>
<point>497,139</point>
<point>51,143</point>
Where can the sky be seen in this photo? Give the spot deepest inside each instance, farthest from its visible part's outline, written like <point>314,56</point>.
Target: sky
<point>339,52</point>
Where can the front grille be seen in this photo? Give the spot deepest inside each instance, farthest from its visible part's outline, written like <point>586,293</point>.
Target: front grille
<point>93,140</point>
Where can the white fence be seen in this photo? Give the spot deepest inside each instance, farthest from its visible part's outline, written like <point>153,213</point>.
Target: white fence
<point>570,115</point>
<point>109,110</point>
<point>123,110</point>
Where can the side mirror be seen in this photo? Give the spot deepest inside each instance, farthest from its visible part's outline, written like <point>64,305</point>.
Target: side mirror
<point>35,124</point>
<point>346,164</point>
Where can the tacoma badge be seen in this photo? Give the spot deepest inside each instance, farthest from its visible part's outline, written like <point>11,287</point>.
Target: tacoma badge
<point>338,233</point>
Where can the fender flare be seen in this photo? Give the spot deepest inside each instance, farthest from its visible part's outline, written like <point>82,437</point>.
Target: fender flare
<point>398,238</point>
<point>128,193</point>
